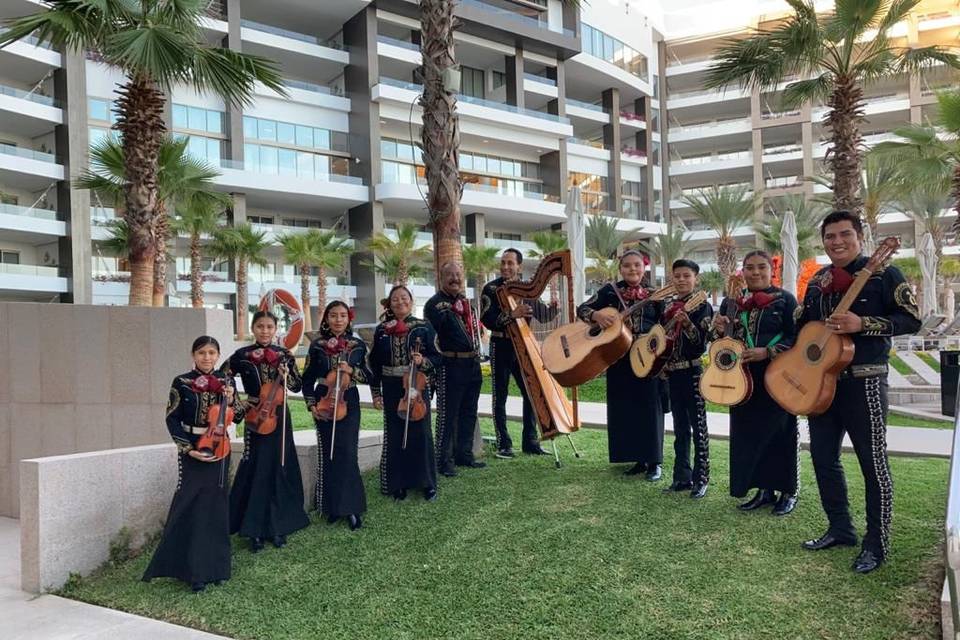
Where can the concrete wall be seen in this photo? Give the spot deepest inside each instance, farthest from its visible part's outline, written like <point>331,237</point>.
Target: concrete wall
<point>64,530</point>
<point>87,378</point>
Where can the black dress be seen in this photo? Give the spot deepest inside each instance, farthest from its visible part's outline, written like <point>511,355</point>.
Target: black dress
<point>634,410</point>
<point>195,545</point>
<point>764,442</point>
<point>339,490</point>
<point>416,466</point>
<point>266,500</point>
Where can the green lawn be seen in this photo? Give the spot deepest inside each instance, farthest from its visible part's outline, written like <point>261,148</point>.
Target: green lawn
<point>521,549</point>
<point>901,367</point>
<point>932,362</point>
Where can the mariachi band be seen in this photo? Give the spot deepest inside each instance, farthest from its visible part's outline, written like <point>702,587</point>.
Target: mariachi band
<point>751,339</point>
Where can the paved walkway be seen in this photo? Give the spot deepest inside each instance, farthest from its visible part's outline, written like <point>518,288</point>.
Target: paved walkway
<point>25,616</point>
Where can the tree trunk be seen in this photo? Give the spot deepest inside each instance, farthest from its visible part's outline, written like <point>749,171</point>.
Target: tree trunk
<point>242,303</point>
<point>196,275</point>
<point>140,122</point>
<point>726,257</point>
<point>843,156</point>
<point>321,289</point>
<point>955,194</point>
<point>305,299</point>
<point>402,274</point>
<point>162,231</point>
<point>440,134</point>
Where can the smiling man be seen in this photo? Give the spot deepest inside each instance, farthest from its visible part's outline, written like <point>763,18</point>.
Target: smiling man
<point>886,307</point>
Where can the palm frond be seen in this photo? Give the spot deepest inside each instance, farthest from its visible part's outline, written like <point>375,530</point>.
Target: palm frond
<point>723,209</point>
<point>948,113</point>
<point>813,89</point>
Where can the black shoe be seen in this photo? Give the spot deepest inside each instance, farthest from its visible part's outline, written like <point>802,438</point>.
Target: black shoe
<point>430,494</point>
<point>474,464</point>
<point>332,518</point>
<point>698,491</point>
<point>505,454</point>
<point>867,561</point>
<point>217,583</point>
<point>654,473</point>
<point>761,498</point>
<point>355,522</point>
<point>828,540</point>
<point>256,544</point>
<point>637,469</point>
<point>197,587</point>
<point>785,504</point>
<point>536,451</point>
<point>279,541</point>
<point>448,472</point>
<point>400,495</point>
<point>676,485</point>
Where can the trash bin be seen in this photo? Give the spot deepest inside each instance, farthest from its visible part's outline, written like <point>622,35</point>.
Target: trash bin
<point>949,377</point>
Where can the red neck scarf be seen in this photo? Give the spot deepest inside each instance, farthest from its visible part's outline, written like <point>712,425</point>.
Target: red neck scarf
<point>462,308</point>
<point>673,310</point>
<point>335,345</point>
<point>634,293</point>
<point>264,354</point>
<point>755,300</point>
<point>838,281</point>
<point>395,328</point>
<point>207,383</point>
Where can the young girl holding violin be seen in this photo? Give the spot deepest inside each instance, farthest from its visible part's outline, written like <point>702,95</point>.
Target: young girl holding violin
<point>195,546</point>
<point>266,501</point>
<point>333,400</point>
<point>404,352</point>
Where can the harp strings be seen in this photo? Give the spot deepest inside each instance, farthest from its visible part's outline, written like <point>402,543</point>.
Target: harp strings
<point>552,308</point>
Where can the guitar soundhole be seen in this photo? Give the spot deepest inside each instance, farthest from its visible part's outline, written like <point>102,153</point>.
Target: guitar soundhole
<point>814,353</point>
<point>653,344</point>
<point>726,360</point>
<point>595,330</point>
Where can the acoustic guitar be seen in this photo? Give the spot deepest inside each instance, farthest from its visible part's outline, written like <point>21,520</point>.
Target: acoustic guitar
<point>651,351</point>
<point>726,380</point>
<point>803,379</point>
<point>580,351</point>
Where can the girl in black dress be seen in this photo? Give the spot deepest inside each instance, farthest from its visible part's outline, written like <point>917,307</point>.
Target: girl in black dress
<point>339,491</point>
<point>634,411</point>
<point>394,340</point>
<point>195,546</point>
<point>266,501</point>
<point>764,443</point>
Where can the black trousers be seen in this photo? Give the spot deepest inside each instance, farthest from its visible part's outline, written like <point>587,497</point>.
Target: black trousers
<point>458,391</point>
<point>503,364</point>
<point>689,421</point>
<point>859,409</point>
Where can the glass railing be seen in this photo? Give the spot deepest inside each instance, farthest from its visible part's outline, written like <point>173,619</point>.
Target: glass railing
<point>633,152</point>
<point>29,154</point>
<point>423,237</point>
<point>782,149</point>
<point>516,17</point>
<point>708,126</point>
<point>396,42</point>
<point>702,58</point>
<point>630,116</point>
<point>294,35</point>
<point>240,165</point>
<point>309,86</point>
<point>541,79</point>
<point>780,183</point>
<point>728,94</point>
<point>29,212</point>
<point>102,215</point>
<point>596,144</point>
<point>280,229</point>
<point>293,278</point>
<point>29,270</point>
<point>31,40</point>
<point>501,243</point>
<point>775,115</point>
<point>27,95</point>
<point>585,105</point>
<point>511,192</point>
<point>740,155</point>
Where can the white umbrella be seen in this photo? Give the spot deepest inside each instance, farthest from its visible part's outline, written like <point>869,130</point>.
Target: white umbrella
<point>577,240</point>
<point>927,257</point>
<point>791,250</point>
<point>869,244</point>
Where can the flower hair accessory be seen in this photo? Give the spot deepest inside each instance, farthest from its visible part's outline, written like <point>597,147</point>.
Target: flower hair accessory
<point>351,313</point>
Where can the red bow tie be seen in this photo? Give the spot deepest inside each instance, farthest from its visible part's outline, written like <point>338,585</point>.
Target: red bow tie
<point>333,346</point>
<point>837,281</point>
<point>395,328</point>
<point>756,300</point>
<point>208,383</point>
<point>673,310</point>
<point>265,354</point>
<point>634,294</point>
<point>462,308</point>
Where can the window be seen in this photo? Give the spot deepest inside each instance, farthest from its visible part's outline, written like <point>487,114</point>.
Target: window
<point>260,220</point>
<point>499,79</point>
<point>471,82</point>
<point>294,135</point>
<point>600,45</point>
<point>10,257</point>
<point>99,134</point>
<point>99,109</point>
<point>197,119</point>
<point>206,149</point>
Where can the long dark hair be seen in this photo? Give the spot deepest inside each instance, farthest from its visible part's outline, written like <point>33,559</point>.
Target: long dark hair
<point>325,327</point>
<point>387,314</point>
<point>202,342</point>
<point>264,314</point>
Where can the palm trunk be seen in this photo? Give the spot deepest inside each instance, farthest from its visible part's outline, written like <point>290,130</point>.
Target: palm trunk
<point>440,134</point>
<point>305,298</point>
<point>140,105</point>
<point>242,299</point>
<point>955,194</point>
<point>321,288</point>
<point>726,257</point>
<point>196,275</point>
<point>402,274</point>
<point>844,155</point>
<point>162,231</point>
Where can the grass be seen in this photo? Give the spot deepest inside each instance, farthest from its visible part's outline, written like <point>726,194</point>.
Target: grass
<point>932,362</point>
<point>900,366</point>
<point>523,550</point>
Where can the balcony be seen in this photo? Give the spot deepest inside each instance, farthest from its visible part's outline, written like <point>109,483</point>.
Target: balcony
<point>517,19</point>
<point>308,93</point>
<point>298,54</point>
<point>587,111</point>
<point>27,60</point>
<point>29,114</point>
<point>631,120</point>
<point>31,280</point>
<point>633,155</point>
<point>396,49</point>
<point>275,231</point>
<point>28,169</point>
<point>718,163</point>
<point>321,193</point>
<point>693,64</point>
<point>714,129</point>
<point>677,100</point>
<point>30,225</point>
<point>260,283</point>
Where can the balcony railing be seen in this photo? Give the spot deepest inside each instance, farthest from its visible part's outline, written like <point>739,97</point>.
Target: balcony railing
<point>736,155</point>
<point>29,212</point>
<point>31,40</point>
<point>632,117</point>
<point>27,95</point>
<point>776,115</point>
<point>511,15</point>
<point>585,105</point>
<point>707,126</point>
<point>29,270</point>
<point>404,44</point>
<point>29,154</point>
<point>633,152</point>
<point>309,86</point>
<point>783,183</point>
<point>280,229</point>
<point>541,79</point>
<point>596,144</point>
<point>294,35</point>
<point>782,149</point>
<point>240,165</point>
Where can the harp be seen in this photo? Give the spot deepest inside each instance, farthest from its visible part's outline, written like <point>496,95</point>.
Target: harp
<point>550,293</point>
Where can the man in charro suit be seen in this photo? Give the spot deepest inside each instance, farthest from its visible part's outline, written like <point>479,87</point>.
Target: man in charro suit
<point>886,307</point>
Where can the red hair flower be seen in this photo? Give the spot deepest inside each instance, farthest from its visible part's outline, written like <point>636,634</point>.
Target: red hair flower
<point>351,313</point>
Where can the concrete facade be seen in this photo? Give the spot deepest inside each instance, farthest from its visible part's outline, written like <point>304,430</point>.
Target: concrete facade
<point>87,378</point>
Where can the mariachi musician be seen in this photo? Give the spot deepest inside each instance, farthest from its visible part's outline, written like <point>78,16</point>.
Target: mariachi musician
<point>503,356</point>
<point>634,409</point>
<point>408,460</point>
<point>195,545</point>
<point>683,371</point>
<point>459,379</point>
<point>886,307</point>
<point>764,442</point>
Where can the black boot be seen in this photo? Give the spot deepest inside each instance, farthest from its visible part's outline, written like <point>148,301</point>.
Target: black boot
<point>256,544</point>
<point>677,485</point>
<point>654,473</point>
<point>355,522</point>
<point>698,491</point>
<point>430,494</point>
<point>785,504</point>
<point>332,518</point>
<point>867,561</point>
<point>761,498</point>
<point>279,541</point>
<point>637,469</point>
<point>197,587</point>
<point>400,495</point>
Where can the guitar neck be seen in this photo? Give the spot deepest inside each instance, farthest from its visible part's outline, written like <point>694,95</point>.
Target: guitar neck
<point>859,282</point>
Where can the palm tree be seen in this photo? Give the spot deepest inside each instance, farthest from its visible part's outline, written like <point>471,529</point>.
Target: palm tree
<point>835,55</point>
<point>714,283</point>
<point>878,189</point>
<point>298,249</point>
<point>155,45</point>
<point>665,248</point>
<point>181,179</point>
<point>604,269</point>
<point>197,220</point>
<point>547,242</point>
<point>807,214</point>
<point>243,246</point>
<point>925,204</point>
<point>724,209</point>
<point>602,236</point>
<point>400,259</point>
<point>329,251</point>
<point>478,263</point>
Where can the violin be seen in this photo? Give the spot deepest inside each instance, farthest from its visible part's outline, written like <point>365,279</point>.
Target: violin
<point>262,418</point>
<point>333,406</point>
<point>412,405</point>
<point>214,444</point>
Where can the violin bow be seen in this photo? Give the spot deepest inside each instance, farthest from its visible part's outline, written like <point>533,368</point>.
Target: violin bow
<point>406,419</point>
<point>336,400</point>
<point>283,425</point>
